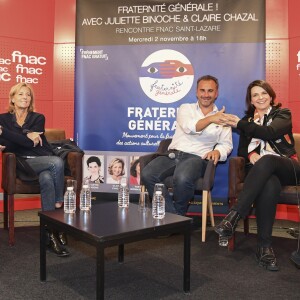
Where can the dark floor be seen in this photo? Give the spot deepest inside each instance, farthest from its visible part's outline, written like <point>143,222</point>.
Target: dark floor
<point>152,268</point>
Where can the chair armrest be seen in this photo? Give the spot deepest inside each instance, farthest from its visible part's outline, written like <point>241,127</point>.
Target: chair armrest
<point>209,175</point>
<point>9,172</point>
<point>74,160</point>
<point>236,176</point>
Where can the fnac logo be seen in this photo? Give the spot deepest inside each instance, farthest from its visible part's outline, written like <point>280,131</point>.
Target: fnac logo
<point>166,76</point>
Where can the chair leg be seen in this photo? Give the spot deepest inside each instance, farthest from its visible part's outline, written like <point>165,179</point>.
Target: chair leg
<point>11,212</point>
<point>231,243</point>
<point>246,226</point>
<point>5,210</point>
<point>204,214</point>
<point>210,209</point>
<point>206,203</point>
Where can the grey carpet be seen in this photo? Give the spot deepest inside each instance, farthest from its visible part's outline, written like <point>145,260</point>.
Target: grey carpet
<point>152,270</point>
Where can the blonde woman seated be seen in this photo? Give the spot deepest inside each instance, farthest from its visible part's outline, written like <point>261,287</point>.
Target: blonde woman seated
<point>22,133</point>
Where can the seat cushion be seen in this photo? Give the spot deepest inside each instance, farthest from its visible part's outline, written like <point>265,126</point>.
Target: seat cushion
<point>27,187</point>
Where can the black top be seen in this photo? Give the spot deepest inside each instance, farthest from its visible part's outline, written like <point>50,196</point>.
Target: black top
<point>14,136</point>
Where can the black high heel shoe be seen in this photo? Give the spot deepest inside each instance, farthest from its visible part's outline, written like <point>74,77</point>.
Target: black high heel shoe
<point>55,246</point>
<point>227,227</point>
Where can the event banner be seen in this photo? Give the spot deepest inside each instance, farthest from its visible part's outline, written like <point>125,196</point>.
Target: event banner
<point>136,63</point>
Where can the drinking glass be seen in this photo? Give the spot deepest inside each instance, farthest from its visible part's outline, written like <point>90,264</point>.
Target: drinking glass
<point>144,202</point>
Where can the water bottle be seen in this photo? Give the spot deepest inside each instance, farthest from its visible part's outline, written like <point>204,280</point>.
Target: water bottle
<point>123,193</point>
<point>85,198</point>
<point>158,205</point>
<point>69,200</point>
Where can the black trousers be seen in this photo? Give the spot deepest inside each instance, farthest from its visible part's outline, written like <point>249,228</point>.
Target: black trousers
<point>262,188</point>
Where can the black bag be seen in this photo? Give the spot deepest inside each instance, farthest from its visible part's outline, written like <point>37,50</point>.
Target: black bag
<point>61,148</point>
<point>24,171</point>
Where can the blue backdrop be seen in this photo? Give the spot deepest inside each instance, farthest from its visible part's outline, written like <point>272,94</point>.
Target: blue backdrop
<point>117,58</point>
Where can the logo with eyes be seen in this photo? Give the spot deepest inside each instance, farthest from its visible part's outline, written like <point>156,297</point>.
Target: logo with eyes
<point>166,76</point>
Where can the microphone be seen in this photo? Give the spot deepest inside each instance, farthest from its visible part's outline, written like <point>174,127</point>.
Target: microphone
<point>171,155</point>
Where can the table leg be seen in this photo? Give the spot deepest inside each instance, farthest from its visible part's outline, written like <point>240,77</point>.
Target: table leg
<point>121,254</point>
<point>43,238</point>
<point>187,261</point>
<point>100,273</point>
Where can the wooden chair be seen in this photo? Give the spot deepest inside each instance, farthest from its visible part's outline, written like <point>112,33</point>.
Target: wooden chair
<point>12,185</point>
<point>203,184</point>
<point>236,177</point>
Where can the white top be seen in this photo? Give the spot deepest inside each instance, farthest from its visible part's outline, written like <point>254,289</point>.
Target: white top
<point>187,139</point>
<point>265,147</point>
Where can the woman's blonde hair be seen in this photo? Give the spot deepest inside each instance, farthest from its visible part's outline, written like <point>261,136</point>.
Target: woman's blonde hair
<point>14,90</point>
<point>114,162</point>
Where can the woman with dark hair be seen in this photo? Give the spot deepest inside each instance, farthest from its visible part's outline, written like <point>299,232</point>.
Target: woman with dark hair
<point>22,132</point>
<point>266,142</point>
<point>94,167</point>
<point>116,169</point>
<point>135,172</point>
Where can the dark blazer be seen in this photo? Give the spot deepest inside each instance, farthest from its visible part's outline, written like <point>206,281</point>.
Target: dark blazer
<point>277,131</point>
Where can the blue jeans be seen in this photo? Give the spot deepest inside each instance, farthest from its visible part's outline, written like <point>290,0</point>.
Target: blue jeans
<point>186,168</point>
<point>50,170</point>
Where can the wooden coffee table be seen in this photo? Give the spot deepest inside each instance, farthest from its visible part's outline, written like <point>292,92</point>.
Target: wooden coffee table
<point>108,225</point>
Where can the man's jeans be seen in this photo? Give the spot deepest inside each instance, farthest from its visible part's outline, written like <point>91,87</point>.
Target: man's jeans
<point>185,168</point>
<point>50,170</point>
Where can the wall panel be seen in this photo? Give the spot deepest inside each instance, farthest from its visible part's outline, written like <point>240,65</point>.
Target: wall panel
<point>31,20</point>
<point>293,20</point>
<point>63,116</point>
<point>65,18</point>
<point>63,86</point>
<point>277,19</point>
<point>277,71</point>
<point>64,65</point>
<point>294,62</point>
